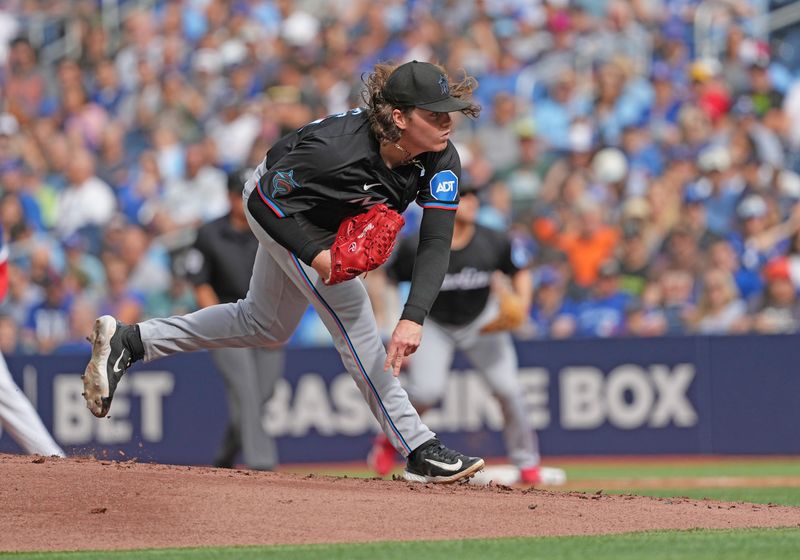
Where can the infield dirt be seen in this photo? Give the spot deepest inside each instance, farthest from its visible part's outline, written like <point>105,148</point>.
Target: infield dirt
<point>85,503</point>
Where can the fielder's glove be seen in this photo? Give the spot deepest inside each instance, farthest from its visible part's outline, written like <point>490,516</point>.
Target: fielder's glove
<point>510,313</point>
<point>364,242</point>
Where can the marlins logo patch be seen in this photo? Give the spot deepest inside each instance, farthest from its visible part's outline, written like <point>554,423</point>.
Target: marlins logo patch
<point>283,183</point>
<point>444,186</point>
<point>443,85</point>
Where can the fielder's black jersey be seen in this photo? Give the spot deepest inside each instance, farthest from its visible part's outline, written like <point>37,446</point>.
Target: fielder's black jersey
<point>467,284</point>
<point>332,168</point>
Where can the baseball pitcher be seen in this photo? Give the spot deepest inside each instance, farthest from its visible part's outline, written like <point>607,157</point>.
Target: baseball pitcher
<point>349,175</point>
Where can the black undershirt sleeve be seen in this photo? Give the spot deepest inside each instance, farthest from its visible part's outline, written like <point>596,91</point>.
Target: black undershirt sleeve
<point>285,231</point>
<point>430,265</point>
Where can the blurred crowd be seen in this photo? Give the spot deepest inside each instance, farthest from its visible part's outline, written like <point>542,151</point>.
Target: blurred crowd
<point>649,164</point>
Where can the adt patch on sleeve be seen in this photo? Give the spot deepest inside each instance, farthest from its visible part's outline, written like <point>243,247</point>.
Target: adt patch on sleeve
<point>444,186</point>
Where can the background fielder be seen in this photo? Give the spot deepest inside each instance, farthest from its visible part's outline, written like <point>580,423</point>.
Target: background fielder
<point>461,311</point>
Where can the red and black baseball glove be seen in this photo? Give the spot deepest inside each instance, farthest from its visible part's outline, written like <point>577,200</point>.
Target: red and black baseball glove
<point>364,242</point>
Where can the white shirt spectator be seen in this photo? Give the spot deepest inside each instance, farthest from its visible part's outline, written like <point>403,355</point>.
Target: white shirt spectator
<point>90,202</point>
<point>723,321</point>
<point>234,134</point>
<point>201,195</point>
<point>201,198</point>
<point>791,105</point>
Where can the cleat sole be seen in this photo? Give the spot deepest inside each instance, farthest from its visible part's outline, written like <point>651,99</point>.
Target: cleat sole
<point>95,380</point>
<point>463,476</point>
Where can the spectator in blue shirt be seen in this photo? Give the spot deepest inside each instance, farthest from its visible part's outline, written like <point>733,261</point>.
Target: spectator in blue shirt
<point>47,325</point>
<point>677,300</point>
<point>555,113</point>
<point>603,313</point>
<point>752,242</point>
<point>549,305</point>
<point>721,254</point>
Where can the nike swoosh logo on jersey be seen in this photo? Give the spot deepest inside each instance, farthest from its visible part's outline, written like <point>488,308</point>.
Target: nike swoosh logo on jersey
<point>118,369</point>
<point>446,466</point>
<point>366,186</point>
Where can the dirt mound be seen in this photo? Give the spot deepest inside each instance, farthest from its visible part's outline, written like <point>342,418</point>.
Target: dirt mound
<point>80,503</point>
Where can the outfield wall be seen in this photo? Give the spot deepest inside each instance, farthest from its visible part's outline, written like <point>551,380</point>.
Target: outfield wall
<point>688,395</point>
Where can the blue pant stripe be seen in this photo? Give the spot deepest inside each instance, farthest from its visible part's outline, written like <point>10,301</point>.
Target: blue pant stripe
<point>352,351</point>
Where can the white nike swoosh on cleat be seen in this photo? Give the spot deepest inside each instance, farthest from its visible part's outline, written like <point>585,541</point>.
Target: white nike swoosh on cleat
<point>366,186</point>
<point>118,369</point>
<point>446,466</point>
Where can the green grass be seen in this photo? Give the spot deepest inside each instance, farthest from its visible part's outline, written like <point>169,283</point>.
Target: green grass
<point>781,467</point>
<point>767,544</point>
<point>789,496</point>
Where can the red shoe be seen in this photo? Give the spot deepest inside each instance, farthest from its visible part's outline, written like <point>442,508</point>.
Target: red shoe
<point>382,456</point>
<point>530,475</point>
<point>547,476</point>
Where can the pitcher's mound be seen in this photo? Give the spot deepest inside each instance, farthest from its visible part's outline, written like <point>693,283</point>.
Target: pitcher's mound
<point>81,503</point>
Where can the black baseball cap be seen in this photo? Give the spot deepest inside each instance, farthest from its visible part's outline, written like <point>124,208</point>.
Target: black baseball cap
<point>423,85</point>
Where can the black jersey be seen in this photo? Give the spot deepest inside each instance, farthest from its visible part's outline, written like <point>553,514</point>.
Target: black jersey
<point>467,284</point>
<point>223,257</point>
<point>332,168</point>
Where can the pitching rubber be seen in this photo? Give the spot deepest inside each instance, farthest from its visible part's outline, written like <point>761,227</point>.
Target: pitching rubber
<point>509,475</point>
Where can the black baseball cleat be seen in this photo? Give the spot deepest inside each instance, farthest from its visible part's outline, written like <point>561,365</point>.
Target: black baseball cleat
<point>433,462</point>
<point>110,359</point>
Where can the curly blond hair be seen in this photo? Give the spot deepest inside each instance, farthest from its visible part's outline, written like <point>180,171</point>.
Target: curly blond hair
<point>380,110</point>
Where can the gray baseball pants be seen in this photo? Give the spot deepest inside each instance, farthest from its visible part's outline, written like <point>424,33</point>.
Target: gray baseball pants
<point>280,290</point>
<point>493,355</point>
<point>250,376</point>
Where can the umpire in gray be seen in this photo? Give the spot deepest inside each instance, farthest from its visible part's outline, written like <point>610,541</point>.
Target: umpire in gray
<point>220,265</point>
